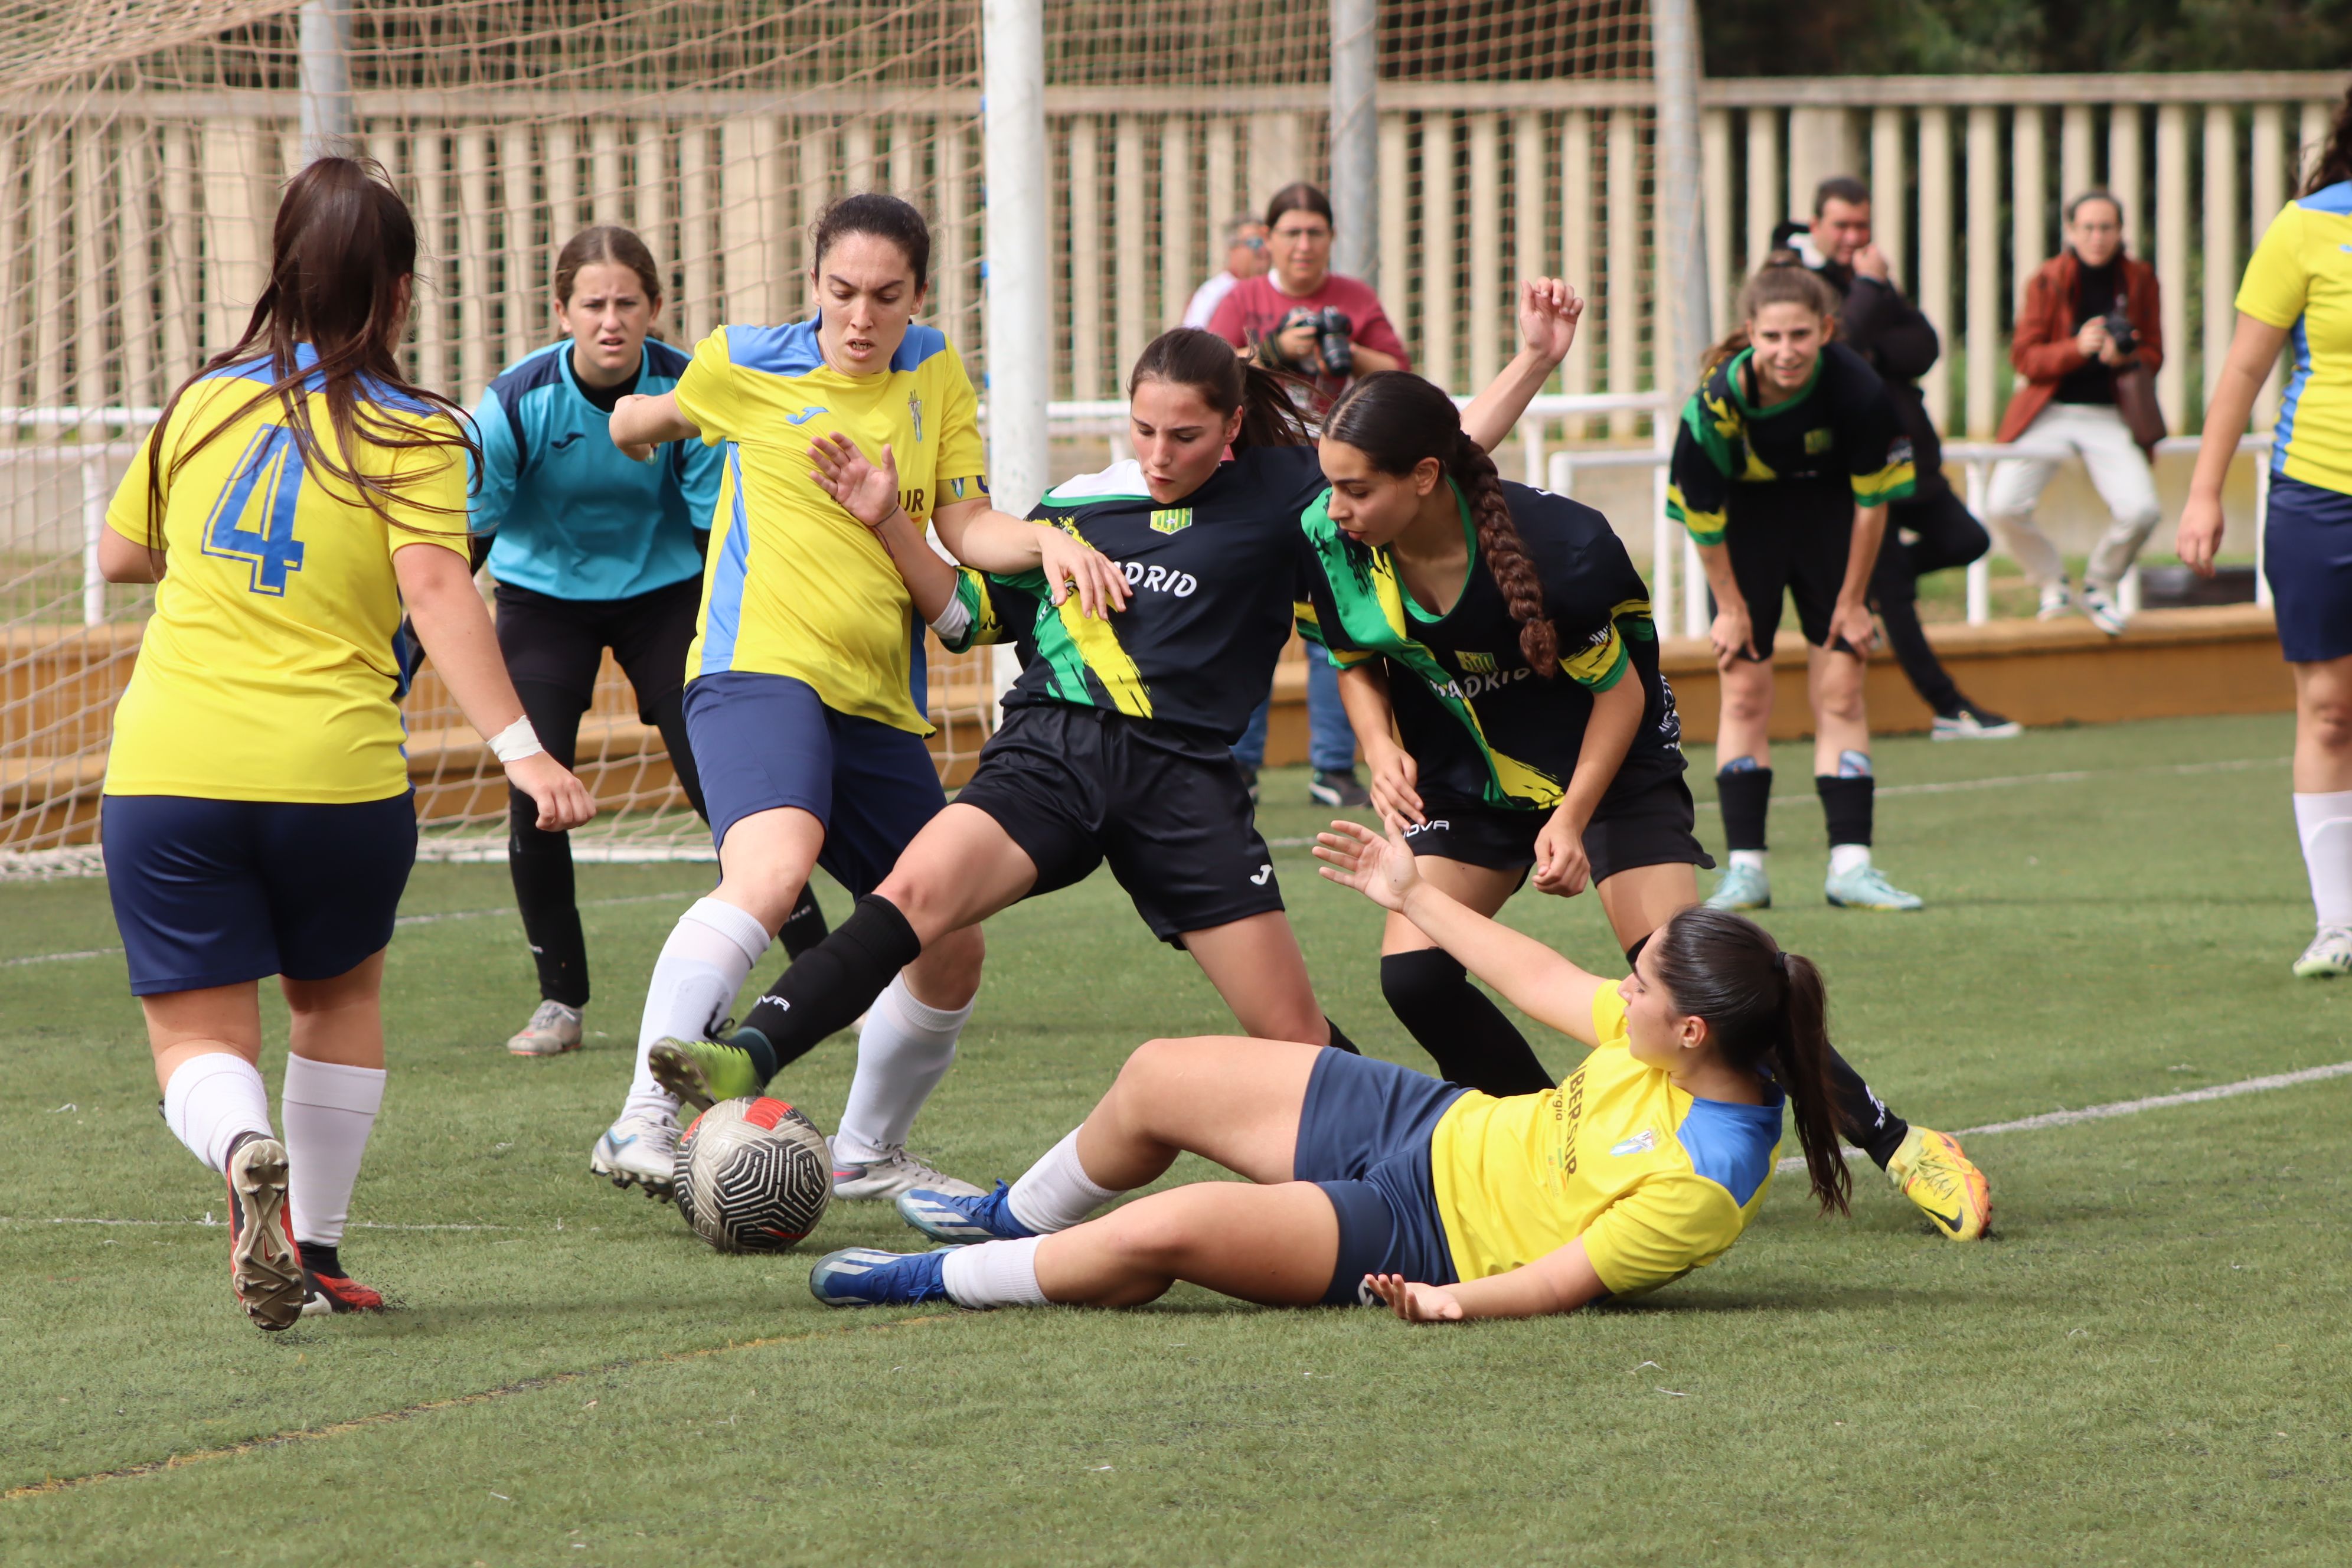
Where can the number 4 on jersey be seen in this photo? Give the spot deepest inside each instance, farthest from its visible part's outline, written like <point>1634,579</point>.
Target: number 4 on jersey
<point>268,480</point>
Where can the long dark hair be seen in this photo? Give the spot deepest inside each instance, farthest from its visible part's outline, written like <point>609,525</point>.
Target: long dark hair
<point>1187,356</point>
<point>1776,282</point>
<point>1764,1007</point>
<point>1399,421</point>
<point>2333,164</point>
<point>342,244</point>
<point>883,216</point>
<point>606,242</point>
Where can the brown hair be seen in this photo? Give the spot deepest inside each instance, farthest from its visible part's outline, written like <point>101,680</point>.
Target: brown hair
<point>606,242</point>
<point>1298,196</point>
<point>1776,282</point>
<point>883,216</point>
<point>2332,164</point>
<point>1187,356</point>
<point>342,245</point>
<point>1399,421</point>
<point>1765,1009</point>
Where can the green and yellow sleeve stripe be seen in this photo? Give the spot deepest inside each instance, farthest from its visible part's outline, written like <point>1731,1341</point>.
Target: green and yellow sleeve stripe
<point>1897,481</point>
<point>1602,663</point>
<point>1706,527</point>
<point>987,623</point>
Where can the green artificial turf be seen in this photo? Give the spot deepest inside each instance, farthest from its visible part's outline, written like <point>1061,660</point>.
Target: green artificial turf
<point>2147,1363</point>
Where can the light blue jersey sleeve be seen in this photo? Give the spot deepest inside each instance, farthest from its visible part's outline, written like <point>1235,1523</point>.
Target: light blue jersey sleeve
<point>491,492</point>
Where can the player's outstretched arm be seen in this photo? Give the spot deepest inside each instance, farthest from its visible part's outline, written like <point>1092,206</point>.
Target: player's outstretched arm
<point>1531,976</point>
<point>989,540</point>
<point>641,423</point>
<point>1549,312</point>
<point>1559,1281</point>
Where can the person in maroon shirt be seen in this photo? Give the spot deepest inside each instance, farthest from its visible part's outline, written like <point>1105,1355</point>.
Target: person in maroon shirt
<point>1281,316</point>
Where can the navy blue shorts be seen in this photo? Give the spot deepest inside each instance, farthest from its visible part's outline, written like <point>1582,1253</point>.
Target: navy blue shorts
<point>766,741</point>
<point>1363,1138</point>
<point>215,892</point>
<point>2307,557</point>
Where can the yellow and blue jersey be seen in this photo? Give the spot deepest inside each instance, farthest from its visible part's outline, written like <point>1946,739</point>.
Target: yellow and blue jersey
<point>794,585</point>
<point>271,670</point>
<point>1656,1182</point>
<point>2300,278</point>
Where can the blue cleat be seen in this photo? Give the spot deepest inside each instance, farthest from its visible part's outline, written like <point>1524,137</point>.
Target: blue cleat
<point>869,1277</point>
<point>1866,888</point>
<point>1741,887</point>
<point>953,1218</point>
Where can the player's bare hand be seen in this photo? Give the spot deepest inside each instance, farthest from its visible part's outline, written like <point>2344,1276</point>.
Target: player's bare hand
<point>2199,539</point>
<point>1395,787</point>
<point>1413,1301</point>
<point>1377,865</point>
<point>1548,312</point>
<point>1073,566</point>
<point>866,491</point>
<point>1731,635</point>
<point>1853,623</point>
<point>1561,868</point>
<point>562,800</point>
<point>1871,262</point>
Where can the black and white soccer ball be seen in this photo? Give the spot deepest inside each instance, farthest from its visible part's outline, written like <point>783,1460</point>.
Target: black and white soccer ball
<point>753,1176</point>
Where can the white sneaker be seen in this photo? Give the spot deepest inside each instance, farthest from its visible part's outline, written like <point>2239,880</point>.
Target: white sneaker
<point>2099,603</point>
<point>553,1029</point>
<point>2329,954</point>
<point>2055,601</point>
<point>895,1172</point>
<point>638,1150</point>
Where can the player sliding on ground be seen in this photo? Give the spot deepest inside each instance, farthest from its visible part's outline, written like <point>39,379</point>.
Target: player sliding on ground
<point>1378,1183</point>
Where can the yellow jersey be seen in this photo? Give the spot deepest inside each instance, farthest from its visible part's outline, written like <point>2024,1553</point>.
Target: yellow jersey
<point>2301,277</point>
<point>1657,1182</point>
<point>271,670</point>
<point>794,585</point>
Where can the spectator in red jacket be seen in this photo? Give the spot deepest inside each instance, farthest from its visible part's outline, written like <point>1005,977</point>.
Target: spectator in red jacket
<point>2088,314</point>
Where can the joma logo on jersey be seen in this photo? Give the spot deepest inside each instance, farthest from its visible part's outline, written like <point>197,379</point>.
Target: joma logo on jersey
<point>1171,520</point>
<point>1475,663</point>
<point>1159,580</point>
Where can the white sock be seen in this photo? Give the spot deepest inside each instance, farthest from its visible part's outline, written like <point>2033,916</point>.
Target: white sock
<point>1753,859</point>
<point>903,1051</point>
<point>1055,1192</point>
<point>708,957</point>
<point>994,1274</point>
<point>2325,821</point>
<point>1846,859</point>
<point>329,1111</point>
<point>212,1097</point>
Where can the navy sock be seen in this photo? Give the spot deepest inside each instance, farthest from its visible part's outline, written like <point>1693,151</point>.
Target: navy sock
<point>1846,805</point>
<point>1745,793</point>
<point>1458,1024</point>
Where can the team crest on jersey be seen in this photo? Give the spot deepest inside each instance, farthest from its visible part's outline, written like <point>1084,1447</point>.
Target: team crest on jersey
<point>1819,441</point>
<point>914,413</point>
<point>1641,1142</point>
<point>1475,663</point>
<point>1171,520</point>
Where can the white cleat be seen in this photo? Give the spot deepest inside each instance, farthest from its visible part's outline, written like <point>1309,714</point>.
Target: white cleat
<point>2329,954</point>
<point>2100,603</point>
<point>553,1029</point>
<point>638,1150</point>
<point>895,1172</point>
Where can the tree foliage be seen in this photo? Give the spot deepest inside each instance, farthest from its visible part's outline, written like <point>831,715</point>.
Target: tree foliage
<point>1871,38</point>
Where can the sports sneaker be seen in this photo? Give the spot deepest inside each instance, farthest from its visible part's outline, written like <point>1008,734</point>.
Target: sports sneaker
<point>954,1218</point>
<point>263,1267</point>
<point>638,1150</point>
<point>1741,887</point>
<point>1969,722</point>
<point>895,1172</point>
<point>2055,601</point>
<point>1930,1170</point>
<point>1342,790</point>
<point>2329,954</point>
<point>553,1029</point>
<point>704,1072</point>
<point>869,1277</point>
<point>2099,603</point>
<point>1866,888</point>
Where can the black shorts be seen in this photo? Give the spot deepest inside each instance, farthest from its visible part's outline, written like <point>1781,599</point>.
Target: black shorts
<point>1799,547</point>
<point>1649,825</point>
<point>1167,807</point>
<point>549,641</point>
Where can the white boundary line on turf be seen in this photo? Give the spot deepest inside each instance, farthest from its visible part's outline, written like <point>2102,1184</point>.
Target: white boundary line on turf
<point>2132,1107</point>
<point>208,1223</point>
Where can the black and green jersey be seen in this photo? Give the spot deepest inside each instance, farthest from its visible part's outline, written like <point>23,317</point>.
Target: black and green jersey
<point>1480,722</point>
<point>1837,445</point>
<point>1213,578</point>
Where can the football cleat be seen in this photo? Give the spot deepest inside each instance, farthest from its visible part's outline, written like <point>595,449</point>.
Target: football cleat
<point>2099,603</point>
<point>1866,888</point>
<point>263,1267</point>
<point>1930,1170</point>
<point>1969,722</point>
<point>895,1172</point>
<point>325,1294</point>
<point>704,1072</point>
<point>553,1029</point>
<point>2329,954</point>
<point>869,1277</point>
<point>955,1219</point>
<point>1741,887</point>
<point>1339,789</point>
<point>638,1150</point>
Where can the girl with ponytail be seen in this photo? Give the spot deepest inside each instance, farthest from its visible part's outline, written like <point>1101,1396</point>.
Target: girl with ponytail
<point>1370,1183</point>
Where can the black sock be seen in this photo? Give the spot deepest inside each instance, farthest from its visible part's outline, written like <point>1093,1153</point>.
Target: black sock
<point>1339,1041</point>
<point>1744,795</point>
<point>826,987</point>
<point>1846,804</point>
<point>1862,1116</point>
<point>804,927</point>
<point>1459,1024</point>
<point>540,866</point>
<point>320,1257</point>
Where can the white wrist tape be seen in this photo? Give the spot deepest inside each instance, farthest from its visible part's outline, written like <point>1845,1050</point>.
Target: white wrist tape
<point>516,742</point>
<point>953,621</point>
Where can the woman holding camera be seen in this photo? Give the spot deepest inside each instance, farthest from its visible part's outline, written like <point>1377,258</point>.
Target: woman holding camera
<point>1302,316</point>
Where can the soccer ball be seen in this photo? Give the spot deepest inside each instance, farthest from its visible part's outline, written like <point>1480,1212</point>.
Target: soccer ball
<point>753,1176</point>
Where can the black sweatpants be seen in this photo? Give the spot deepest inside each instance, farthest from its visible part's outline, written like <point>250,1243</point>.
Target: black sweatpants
<point>1948,535</point>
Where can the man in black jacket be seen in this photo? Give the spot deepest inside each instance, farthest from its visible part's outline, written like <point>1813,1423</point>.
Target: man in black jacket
<point>1933,531</point>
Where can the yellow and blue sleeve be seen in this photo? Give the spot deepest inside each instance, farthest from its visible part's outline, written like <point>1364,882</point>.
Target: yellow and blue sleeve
<point>1663,1229</point>
<point>2277,283</point>
<point>1608,1016</point>
<point>706,393</point>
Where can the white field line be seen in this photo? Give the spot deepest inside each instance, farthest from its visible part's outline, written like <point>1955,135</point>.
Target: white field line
<point>2133,1107</point>
<point>208,1222</point>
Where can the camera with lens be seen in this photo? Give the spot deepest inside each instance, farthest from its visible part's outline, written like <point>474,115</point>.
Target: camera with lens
<point>2120,333</point>
<point>1334,339</point>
